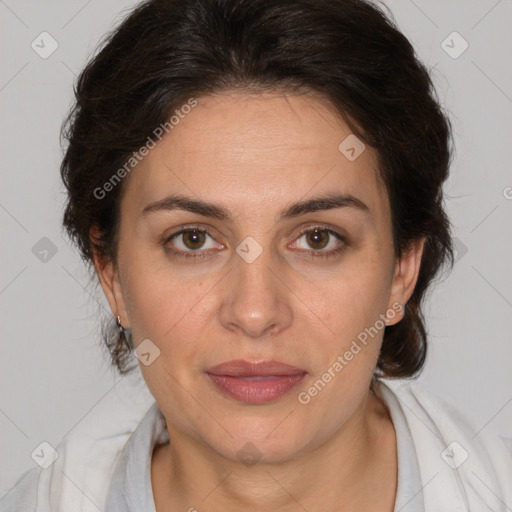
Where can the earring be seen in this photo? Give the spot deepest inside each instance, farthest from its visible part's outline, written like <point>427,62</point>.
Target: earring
<point>126,333</point>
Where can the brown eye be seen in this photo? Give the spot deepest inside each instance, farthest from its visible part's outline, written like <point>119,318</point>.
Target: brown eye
<point>320,242</point>
<point>194,239</point>
<point>192,242</point>
<point>318,238</point>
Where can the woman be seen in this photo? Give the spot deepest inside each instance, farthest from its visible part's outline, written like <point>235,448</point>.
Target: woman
<point>258,187</point>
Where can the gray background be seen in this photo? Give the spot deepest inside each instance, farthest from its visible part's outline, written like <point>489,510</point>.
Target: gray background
<point>53,372</point>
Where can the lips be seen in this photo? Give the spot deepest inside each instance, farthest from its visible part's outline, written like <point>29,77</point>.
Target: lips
<point>255,383</point>
<point>242,368</point>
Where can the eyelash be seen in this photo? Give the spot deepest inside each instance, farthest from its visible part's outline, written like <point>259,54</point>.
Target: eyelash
<point>198,254</point>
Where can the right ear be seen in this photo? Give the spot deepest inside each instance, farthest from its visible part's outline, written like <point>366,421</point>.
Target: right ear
<point>109,279</point>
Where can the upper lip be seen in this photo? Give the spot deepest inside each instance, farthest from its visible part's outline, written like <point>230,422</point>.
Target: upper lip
<point>241,368</point>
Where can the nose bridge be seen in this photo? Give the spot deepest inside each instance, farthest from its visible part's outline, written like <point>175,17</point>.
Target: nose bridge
<point>256,303</point>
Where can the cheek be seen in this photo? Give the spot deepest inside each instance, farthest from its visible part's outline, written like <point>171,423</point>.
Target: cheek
<point>159,295</point>
<point>351,303</point>
<point>157,302</point>
<point>351,298</point>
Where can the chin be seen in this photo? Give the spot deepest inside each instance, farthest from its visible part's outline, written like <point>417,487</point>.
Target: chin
<point>264,441</point>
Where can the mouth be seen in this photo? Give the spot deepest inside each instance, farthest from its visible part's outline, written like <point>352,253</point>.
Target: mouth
<point>255,383</point>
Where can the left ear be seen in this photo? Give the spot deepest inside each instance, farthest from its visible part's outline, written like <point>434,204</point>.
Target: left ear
<point>406,273</point>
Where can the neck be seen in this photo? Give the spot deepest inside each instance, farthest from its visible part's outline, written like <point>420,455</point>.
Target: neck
<point>353,470</point>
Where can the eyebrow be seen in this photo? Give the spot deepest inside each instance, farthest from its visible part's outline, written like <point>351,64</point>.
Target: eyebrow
<point>315,204</point>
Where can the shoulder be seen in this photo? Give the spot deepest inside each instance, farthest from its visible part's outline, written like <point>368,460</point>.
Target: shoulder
<point>434,411</point>
<point>79,478</point>
<point>456,458</point>
<point>23,497</point>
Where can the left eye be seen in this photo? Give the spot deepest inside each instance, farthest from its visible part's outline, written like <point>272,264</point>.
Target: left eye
<point>319,239</point>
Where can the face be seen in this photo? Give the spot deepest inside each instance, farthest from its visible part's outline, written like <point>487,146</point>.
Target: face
<point>250,267</point>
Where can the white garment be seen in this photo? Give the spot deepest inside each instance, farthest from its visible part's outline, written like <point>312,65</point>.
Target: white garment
<point>444,463</point>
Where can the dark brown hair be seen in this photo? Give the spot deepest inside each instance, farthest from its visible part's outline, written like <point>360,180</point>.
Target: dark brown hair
<point>349,51</point>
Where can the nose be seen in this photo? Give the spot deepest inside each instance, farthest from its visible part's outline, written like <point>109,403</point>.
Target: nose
<point>256,301</point>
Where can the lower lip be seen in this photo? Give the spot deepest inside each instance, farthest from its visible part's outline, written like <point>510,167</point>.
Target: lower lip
<point>258,391</point>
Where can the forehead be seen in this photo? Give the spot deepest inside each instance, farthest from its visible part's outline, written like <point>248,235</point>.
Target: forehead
<point>243,149</point>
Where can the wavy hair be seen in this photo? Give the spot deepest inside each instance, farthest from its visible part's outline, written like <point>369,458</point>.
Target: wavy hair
<point>349,51</point>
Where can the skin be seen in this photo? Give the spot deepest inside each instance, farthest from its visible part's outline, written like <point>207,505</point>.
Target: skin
<point>255,155</point>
